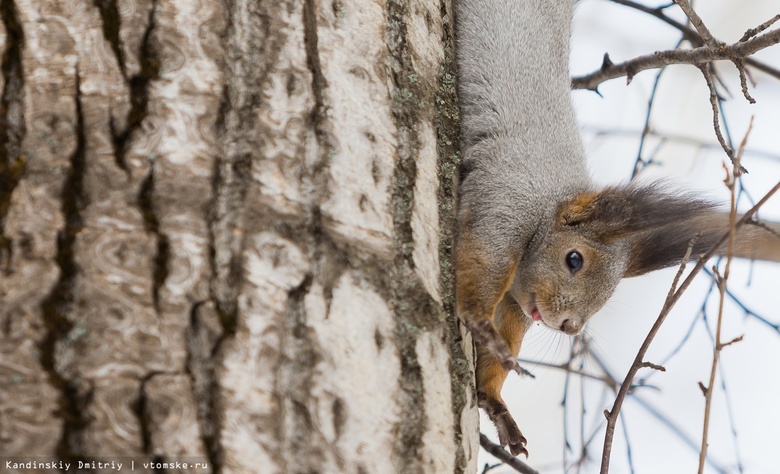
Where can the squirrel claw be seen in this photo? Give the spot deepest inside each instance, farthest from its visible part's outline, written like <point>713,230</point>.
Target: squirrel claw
<point>520,450</point>
<point>515,365</point>
<point>508,432</point>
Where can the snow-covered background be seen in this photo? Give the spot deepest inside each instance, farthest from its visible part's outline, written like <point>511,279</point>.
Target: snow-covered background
<point>692,160</point>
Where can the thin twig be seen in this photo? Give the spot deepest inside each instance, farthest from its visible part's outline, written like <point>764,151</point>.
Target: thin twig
<point>748,312</point>
<point>688,33</point>
<point>697,23</point>
<point>722,282</point>
<point>610,382</point>
<point>740,65</point>
<point>672,298</point>
<point>700,55</point>
<point>715,120</point>
<point>653,366</point>
<point>754,31</point>
<point>766,227</point>
<point>490,467</point>
<point>567,379</point>
<point>733,341</point>
<point>639,164</point>
<point>505,456</point>
<point>671,425</point>
<point>723,387</point>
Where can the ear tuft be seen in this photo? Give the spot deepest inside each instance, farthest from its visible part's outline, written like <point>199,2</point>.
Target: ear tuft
<point>629,209</point>
<point>601,213</point>
<point>578,210</point>
<point>660,219</point>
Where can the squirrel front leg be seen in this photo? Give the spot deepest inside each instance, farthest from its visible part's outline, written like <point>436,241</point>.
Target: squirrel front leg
<point>482,280</point>
<point>511,324</point>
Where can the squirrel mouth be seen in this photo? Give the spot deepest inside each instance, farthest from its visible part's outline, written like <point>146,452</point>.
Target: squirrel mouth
<point>535,314</point>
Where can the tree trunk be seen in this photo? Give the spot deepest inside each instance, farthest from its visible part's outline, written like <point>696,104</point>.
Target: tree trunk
<point>226,233</point>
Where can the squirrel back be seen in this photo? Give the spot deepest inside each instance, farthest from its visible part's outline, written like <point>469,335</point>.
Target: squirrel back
<point>522,152</point>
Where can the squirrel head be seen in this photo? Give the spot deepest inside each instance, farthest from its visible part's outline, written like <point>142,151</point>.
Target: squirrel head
<point>599,238</point>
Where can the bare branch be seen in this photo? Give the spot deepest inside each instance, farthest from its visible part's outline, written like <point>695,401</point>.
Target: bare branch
<point>754,31</point>
<point>673,297</point>
<point>490,467</point>
<point>722,282</point>
<point>715,114</point>
<point>700,55</point>
<point>767,227</point>
<point>666,421</point>
<point>733,341</point>
<point>505,456</point>
<point>691,35</point>
<point>740,64</point>
<point>657,367</point>
<point>697,23</point>
<point>606,379</point>
<point>640,163</point>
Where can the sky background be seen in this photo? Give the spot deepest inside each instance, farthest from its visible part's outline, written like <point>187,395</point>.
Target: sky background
<point>750,368</point>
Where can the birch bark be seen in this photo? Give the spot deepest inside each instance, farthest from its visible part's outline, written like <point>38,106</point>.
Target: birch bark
<point>226,232</point>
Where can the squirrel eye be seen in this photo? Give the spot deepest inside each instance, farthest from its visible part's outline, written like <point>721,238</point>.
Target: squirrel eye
<point>574,261</point>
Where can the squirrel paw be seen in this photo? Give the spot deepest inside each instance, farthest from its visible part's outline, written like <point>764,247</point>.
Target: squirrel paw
<point>485,334</point>
<point>508,432</point>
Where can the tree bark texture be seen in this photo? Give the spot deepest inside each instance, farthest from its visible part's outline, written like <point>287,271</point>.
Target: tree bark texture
<point>226,232</point>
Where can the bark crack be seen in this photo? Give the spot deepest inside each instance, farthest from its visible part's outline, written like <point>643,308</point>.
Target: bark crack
<point>203,338</point>
<point>237,122</point>
<point>111,21</point>
<point>146,423</point>
<point>229,187</point>
<point>139,109</point>
<point>75,395</point>
<point>319,84</point>
<point>328,258</point>
<point>12,125</point>
<point>296,375</point>
<point>152,225</point>
<point>139,83</point>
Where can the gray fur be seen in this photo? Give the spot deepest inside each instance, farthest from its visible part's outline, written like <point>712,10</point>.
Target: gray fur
<point>520,139</point>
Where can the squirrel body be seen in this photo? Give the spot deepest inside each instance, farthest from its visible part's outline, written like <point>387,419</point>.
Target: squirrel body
<point>536,239</point>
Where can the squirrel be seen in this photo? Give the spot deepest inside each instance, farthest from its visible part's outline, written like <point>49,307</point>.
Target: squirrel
<point>536,239</point>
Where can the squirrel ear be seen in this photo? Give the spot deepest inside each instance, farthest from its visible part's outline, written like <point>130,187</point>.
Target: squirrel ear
<point>604,209</point>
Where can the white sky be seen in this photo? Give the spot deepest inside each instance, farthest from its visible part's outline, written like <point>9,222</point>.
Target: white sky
<point>751,369</point>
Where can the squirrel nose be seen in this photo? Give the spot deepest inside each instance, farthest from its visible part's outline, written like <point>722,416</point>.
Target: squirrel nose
<point>570,327</point>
